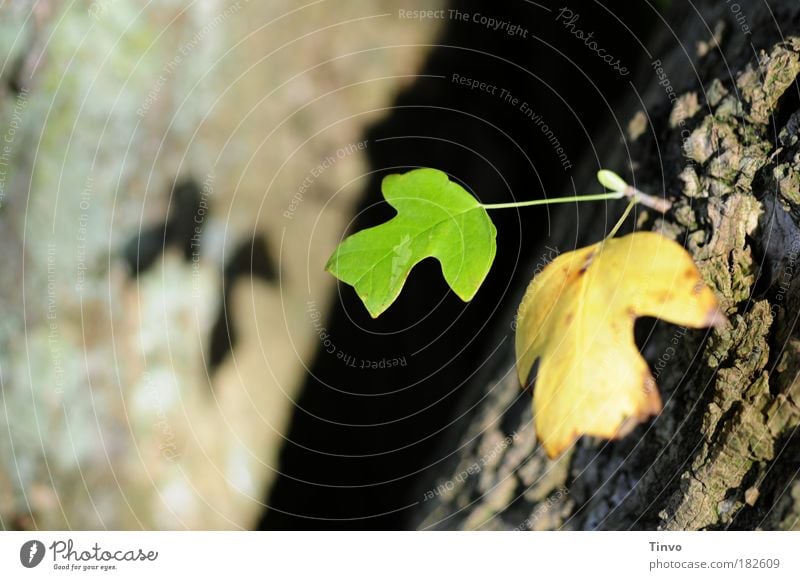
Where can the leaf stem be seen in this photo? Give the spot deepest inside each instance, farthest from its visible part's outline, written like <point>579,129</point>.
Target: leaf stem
<point>548,201</point>
<point>621,220</point>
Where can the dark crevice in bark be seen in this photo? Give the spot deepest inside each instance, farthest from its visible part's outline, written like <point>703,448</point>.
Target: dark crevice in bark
<point>251,259</point>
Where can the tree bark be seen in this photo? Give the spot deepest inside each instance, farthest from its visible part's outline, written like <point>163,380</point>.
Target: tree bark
<point>723,454</point>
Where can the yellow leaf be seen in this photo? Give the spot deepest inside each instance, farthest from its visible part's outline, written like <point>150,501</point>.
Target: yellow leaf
<point>577,317</point>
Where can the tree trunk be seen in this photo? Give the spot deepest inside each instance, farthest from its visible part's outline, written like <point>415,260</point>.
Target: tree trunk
<point>724,452</point>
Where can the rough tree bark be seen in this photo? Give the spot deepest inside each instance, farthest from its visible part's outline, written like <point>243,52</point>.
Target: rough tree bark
<point>724,452</point>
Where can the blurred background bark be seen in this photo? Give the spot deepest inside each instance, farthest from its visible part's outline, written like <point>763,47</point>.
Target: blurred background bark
<point>113,415</point>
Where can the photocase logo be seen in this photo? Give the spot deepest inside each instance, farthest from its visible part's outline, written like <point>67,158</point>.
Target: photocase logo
<point>31,553</point>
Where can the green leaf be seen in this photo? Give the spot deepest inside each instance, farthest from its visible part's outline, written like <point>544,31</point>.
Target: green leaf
<point>435,218</point>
